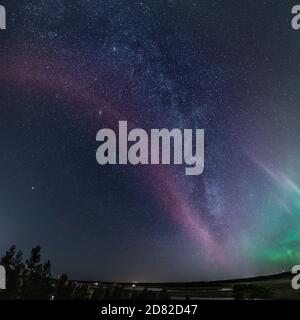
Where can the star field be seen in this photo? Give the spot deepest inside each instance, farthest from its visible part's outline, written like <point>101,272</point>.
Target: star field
<point>70,68</point>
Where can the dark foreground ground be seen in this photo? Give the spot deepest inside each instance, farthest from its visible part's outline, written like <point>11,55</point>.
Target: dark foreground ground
<point>265,287</point>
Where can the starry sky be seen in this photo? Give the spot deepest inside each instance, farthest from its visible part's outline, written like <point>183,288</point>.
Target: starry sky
<point>70,68</point>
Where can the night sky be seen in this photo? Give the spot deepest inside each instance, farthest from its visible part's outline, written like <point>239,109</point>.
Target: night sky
<point>70,68</point>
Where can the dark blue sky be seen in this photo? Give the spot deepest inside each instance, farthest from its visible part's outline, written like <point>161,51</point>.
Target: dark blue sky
<point>70,68</point>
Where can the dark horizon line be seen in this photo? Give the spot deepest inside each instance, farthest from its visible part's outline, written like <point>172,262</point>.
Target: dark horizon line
<point>246,279</point>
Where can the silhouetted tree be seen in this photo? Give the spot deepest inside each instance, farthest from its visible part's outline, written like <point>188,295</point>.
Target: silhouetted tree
<point>31,280</point>
<point>63,289</point>
<point>81,292</point>
<point>37,278</point>
<point>12,261</point>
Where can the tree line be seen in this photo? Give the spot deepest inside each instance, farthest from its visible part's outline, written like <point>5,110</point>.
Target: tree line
<point>32,280</point>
